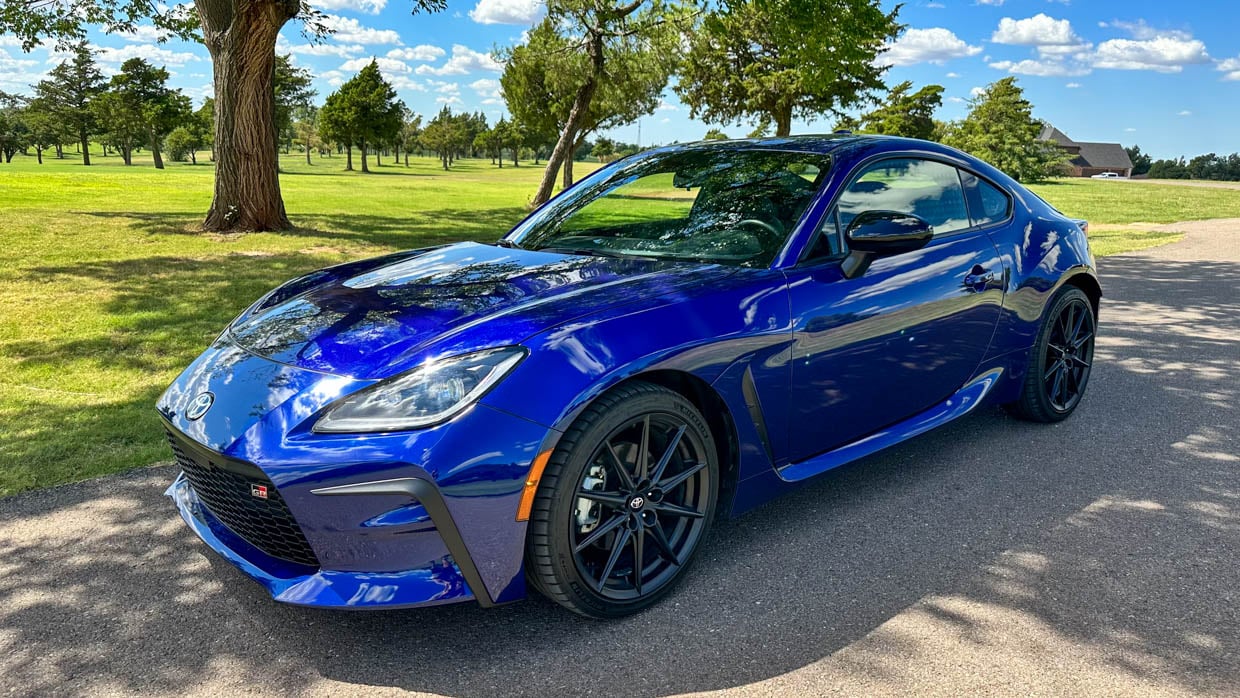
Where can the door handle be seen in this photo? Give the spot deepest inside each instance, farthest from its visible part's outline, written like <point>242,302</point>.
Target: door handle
<point>979,278</point>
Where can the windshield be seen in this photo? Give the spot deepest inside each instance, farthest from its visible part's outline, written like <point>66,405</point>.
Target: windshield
<point>719,206</point>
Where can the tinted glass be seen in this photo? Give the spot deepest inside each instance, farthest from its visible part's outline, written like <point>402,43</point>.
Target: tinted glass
<point>994,204</point>
<point>929,190</point>
<point>719,206</point>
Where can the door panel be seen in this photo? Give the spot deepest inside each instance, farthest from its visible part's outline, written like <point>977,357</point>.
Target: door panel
<point>903,336</point>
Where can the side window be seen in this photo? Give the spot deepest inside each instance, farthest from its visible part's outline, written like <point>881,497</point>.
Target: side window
<point>987,203</point>
<point>827,242</point>
<point>924,188</point>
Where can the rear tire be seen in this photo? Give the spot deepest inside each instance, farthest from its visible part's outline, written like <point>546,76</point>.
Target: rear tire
<point>606,543</point>
<point>1059,365</point>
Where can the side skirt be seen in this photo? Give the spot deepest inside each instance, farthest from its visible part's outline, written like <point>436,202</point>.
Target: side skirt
<point>958,405</point>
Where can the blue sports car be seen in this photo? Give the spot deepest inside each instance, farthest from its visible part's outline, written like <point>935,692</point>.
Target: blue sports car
<point>686,333</point>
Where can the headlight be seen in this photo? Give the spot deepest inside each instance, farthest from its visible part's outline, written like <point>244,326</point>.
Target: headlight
<point>424,396</point>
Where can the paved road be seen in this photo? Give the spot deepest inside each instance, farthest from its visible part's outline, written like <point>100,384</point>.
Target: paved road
<point>1101,555</point>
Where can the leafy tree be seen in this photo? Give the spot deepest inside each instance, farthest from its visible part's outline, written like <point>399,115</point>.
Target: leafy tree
<point>904,114</point>
<point>159,109</point>
<point>306,129</point>
<point>14,133</point>
<point>292,92</point>
<point>182,144</point>
<point>363,111</point>
<point>511,138</point>
<point>122,127</point>
<point>446,135</point>
<point>779,59</point>
<point>715,134</point>
<point>488,142</point>
<point>241,37</point>
<point>1001,130</point>
<point>67,92</point>
<point>409,132</point>
<point>588,63</point>
<point>1140,161</point>
<point>604,148</point>
<point>46,130</point>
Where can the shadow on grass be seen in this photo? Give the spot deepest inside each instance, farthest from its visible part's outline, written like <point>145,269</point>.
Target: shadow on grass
<point>1109,540</point>
<point>420,228</point>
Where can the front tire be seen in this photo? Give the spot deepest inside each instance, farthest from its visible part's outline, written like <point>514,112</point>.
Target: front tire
<point>624,502</point>
<point>1060,363</point>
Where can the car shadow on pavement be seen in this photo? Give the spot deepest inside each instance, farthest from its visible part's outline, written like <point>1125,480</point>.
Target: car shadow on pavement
<point>1104,547</point>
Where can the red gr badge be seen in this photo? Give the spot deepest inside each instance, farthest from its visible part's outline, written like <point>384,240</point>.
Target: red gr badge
<point>259,491</point>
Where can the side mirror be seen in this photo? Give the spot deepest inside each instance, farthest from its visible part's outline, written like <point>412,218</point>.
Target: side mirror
<point>881,234</point>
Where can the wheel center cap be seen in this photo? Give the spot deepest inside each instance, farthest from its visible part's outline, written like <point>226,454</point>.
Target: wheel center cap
<point>637,503</point>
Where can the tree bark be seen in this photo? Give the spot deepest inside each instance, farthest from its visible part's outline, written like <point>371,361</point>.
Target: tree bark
<point>38,151</point>
<point>84,140</point>
<point>783,120</point>
<point>362,147</point>
<point>568,137</point>
<point>193,156</point>
<point>159,160</point>
<point>348,159</point>
<point>241,38</point>
<point>60,152</point>
<point>308,152</point>
<point>567,180</point>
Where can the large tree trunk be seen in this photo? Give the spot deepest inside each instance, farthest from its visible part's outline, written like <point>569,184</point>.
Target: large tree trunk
<point>38,151</point>
<point>159,160</point>
<point>84,140</point>
<point>193,156</point>
<point>568,137</point>
<point>567,180</point>
<point>348,159</point>
<point>308,152</point>
<point>362,147</point>
<point>783,120</point>
<point>60,152</point>
<point>241,37</point>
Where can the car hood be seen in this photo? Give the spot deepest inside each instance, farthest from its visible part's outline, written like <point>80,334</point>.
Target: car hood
<point>373,321</point>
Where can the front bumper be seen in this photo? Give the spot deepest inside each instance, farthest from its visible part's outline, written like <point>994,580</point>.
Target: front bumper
<point>306,586</point>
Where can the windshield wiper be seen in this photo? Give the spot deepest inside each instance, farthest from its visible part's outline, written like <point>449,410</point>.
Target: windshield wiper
<point>592,251</point>
<point>504,242</point>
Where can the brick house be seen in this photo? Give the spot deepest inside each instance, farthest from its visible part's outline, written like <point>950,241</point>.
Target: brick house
<point>1089,159</point>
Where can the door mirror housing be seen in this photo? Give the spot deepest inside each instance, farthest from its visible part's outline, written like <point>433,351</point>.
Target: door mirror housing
<point>874,234</point>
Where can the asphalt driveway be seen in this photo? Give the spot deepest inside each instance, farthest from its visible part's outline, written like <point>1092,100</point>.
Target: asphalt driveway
<point>1100,555</point>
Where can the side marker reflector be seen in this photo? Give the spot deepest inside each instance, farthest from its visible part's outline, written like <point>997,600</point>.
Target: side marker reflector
<point>531,485</point>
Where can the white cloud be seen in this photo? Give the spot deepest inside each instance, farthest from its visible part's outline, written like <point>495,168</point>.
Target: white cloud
<point>508,11</point>
<point>10,41</point>
<point>977,92</point>
<point>665,106</point>
<point>335,78</point>
<point>405,83</point>
<point>492,100</point>
<point>16,74</point>
<point>952,75</point>
<point>1165,54</point>
<point>453,99</point>
<point>486,87</point>
<point>933,45</point>
<point>421,52</point>
<point>349,31</point>
<point>144,32</point>
<point>1140,30</point>
<point>337,50</point>
<point>996,3</point>
<point>447,88</point>
<point>1184,113</point>
<point>157,55</point>
<point>1230,68</point>
<point>464,60</point>
<point>1038,30</point>
<point>372,7</point>
<point>935,5</point>
<point>1072,85</point>
<point>387,66</point>
<point>1046,68</point>
<point>1130,130</point>
<point>956,100</point>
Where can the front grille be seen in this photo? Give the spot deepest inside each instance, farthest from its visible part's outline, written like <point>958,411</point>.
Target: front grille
<point>225,488</point>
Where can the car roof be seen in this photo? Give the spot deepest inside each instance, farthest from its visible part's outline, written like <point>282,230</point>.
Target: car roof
<point>809,143</point>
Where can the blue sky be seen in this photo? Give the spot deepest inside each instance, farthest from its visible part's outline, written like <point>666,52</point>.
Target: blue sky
<point>1163,75</point>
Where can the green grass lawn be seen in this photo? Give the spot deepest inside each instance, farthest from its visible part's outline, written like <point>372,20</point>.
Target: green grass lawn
<point>107,291</point>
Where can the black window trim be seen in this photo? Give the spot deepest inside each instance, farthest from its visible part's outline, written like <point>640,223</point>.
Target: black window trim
<point>863,166</point>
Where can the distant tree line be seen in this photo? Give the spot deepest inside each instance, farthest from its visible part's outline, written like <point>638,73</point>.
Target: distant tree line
<point>1211,166</point>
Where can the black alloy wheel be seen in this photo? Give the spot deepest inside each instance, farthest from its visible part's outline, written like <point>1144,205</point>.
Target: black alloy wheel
<point>632,494</point>
<point>1061,360</point>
